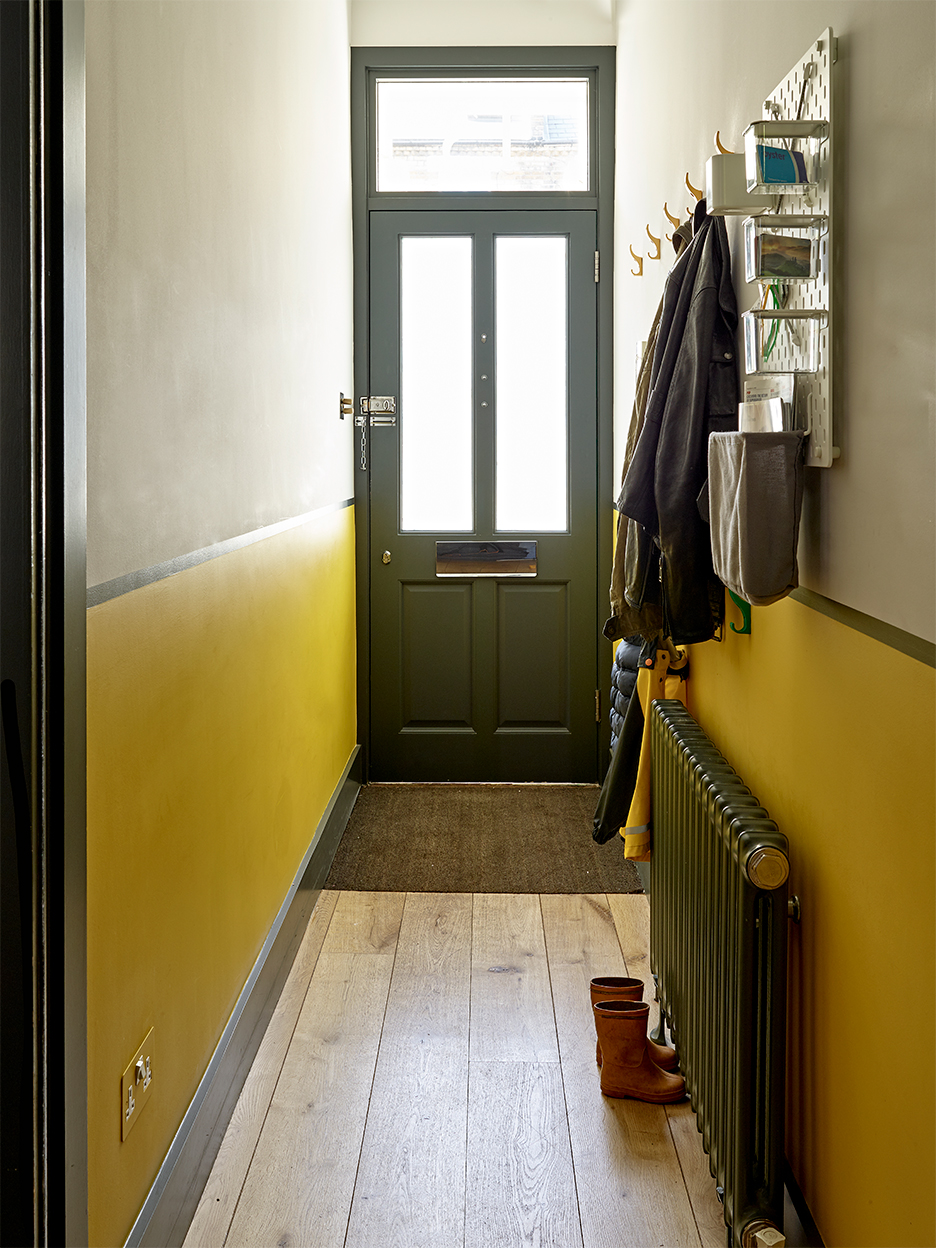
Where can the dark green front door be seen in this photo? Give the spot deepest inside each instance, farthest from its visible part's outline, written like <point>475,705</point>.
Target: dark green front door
<point>484,650</point>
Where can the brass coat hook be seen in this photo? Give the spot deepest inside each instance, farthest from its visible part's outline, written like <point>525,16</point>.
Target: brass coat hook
<point>698,194</point>
<point>653,239</point>
<point>671,218</point>
<point>638,272</point>
<point>721,147</point>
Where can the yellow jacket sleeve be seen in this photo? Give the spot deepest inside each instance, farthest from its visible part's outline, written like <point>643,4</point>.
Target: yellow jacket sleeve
<point>651,684</point>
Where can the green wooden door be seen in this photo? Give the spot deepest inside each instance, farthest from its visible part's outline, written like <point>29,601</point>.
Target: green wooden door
<point>484,651</point>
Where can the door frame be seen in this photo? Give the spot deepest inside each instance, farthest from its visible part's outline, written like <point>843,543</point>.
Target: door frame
<point>42,569</point>
<point>366,64</point>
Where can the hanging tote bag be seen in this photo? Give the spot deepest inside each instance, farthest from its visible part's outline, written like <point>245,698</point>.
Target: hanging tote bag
<point>755,497</point>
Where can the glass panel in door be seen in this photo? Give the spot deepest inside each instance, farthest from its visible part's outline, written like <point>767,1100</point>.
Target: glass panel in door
<point>436,383</point>
<point>531,350</point>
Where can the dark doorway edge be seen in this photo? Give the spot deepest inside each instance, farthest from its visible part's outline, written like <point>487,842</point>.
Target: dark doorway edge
<point>168,1209</point>
<point>795,1207</point>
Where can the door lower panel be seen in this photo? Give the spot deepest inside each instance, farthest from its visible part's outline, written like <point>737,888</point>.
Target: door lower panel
<point>451,726</point>
<point>436,637</point>
<point>532,657</point>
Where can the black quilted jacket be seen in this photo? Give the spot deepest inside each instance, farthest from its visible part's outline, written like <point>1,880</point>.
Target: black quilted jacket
<point>623,682</point>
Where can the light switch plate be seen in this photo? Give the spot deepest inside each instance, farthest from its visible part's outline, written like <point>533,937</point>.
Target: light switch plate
<point>136,1085</point>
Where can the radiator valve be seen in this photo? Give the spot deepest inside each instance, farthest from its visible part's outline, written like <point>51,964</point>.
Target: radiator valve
<point>762,1234</point>
<point>767,867</point>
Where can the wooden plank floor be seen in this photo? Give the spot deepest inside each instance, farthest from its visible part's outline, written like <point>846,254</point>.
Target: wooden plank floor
<point>428,1080</point>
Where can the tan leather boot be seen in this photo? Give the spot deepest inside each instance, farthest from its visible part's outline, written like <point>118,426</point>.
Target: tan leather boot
<point>623,988</point>
<point>627,1069</point>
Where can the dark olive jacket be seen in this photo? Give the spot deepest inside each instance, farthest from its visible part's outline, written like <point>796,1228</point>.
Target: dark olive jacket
<point>646,620</point>
<point>693,392</point>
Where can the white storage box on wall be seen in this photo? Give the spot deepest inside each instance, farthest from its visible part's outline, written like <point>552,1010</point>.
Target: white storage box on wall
<point>726,193</point>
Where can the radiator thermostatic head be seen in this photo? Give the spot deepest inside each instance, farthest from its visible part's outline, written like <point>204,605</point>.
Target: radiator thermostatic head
<point>762,1234</point>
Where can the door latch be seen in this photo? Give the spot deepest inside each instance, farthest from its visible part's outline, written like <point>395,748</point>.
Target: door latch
<point>381,409</point>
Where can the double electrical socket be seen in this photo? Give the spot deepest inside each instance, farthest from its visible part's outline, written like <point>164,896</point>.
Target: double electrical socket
<point>136,1085</point>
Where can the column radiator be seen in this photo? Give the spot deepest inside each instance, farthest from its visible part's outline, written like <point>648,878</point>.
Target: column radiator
<point>718,942</point>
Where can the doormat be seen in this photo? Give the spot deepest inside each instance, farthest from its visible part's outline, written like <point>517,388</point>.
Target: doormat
<point>478,838</point>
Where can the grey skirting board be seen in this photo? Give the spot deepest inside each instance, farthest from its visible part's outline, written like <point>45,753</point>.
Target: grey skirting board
<point>170,1206</point>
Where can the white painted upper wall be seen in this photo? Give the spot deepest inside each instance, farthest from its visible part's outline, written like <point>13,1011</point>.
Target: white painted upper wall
<point>480,23</point>
<point>687,69</point>
<point>219,271</point>
<point>219,252</point>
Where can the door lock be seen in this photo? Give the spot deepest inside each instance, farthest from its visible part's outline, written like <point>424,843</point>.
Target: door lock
<point>377,410</point>
<point>385,557</point>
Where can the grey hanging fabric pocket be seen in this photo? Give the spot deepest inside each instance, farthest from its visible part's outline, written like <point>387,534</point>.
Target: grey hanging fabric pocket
<point>755,497</point>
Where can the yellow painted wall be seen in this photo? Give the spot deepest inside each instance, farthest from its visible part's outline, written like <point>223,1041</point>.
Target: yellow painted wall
<point>834,732</point>
<point>220,718</point>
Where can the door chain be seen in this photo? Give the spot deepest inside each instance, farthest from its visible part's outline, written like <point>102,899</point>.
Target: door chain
<point>377,409</point>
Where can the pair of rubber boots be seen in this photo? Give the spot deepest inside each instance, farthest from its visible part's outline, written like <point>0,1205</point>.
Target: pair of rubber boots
<point>631,1063</point>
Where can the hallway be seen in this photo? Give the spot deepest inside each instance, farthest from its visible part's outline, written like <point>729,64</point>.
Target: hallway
<point>416,1087</point>
<point>219,552</point>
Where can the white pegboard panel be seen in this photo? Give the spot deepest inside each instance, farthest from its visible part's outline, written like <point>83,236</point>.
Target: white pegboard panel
<point>813,86</point>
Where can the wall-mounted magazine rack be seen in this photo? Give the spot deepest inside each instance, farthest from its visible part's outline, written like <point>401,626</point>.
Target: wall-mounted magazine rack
<point>798,116</point>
